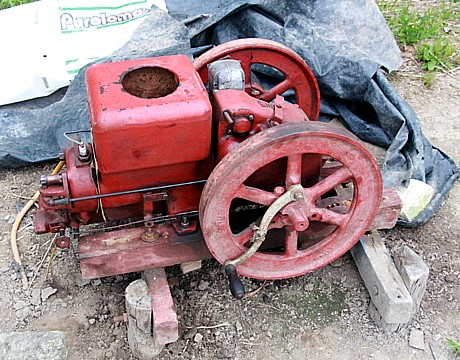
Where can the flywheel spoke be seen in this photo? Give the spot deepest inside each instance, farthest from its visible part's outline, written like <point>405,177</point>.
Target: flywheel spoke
<point>246,66</point>
<point>244,236</point>
<point>278,89</point>
<point>255,195</point>
<point>294,170</point>
<point>329,183</point>
<point>330,217</point>
<point>291,239</point>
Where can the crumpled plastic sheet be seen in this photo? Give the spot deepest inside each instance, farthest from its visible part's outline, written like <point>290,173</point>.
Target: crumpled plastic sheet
<point>345,43</point>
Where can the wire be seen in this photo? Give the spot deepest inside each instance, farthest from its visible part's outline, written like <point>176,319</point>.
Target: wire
<point>17,222</point>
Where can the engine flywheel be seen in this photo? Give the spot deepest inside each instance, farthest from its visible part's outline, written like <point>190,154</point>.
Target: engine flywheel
<point>305,223</point>
<point>266,56</point>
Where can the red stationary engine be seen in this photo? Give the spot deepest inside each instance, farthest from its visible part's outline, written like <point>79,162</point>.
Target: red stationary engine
<point>184,151</point>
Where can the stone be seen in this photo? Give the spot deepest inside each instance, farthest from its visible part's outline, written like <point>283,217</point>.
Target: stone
<point>36,297</point>
<point>438,351</point>
<point>47,292</point>
<point>79,281</point>
<point>35,345</point>
<point>198,338</point>
<point>383,282</point>
<point>190,266</point>
<point>203,285</point>
<point>223,353</point>
<point>414,273</point>
<point>20,304</point>
<point>415,197</point>
<point>416,339</point>
<point>23,313</point>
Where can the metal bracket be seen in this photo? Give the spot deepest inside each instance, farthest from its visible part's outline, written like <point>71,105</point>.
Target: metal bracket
<point>148,200</point>
<point>294,193</point>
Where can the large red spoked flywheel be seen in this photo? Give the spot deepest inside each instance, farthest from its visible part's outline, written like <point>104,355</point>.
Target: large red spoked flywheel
<point>321,216</point>
<point>292,72</point>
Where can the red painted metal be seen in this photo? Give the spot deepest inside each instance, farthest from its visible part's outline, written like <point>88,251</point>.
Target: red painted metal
<point>293,256</point>
<point>123,251</point>
<point>153,125</point>
<point>165,328</point>
<point>297,75</point>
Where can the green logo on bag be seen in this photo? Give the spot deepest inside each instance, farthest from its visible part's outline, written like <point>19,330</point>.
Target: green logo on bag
<point>69,23</point>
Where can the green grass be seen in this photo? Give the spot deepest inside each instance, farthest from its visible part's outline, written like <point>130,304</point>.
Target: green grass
<point>433,32</point>
<point>451,344</point>
<point>5,4</point>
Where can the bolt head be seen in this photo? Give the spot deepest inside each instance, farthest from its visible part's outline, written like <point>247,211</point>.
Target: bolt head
<point>298,196</point>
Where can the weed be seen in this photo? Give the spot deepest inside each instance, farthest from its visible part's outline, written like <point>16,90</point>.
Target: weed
<point>429,32</point>
<point>4,4</point>
<point>428,78</point>
<point>451,344</point>
<point>411,26</point>
<point>438,54</point>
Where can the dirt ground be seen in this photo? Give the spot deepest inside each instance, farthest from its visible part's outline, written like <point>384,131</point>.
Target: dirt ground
<point>322,315</point>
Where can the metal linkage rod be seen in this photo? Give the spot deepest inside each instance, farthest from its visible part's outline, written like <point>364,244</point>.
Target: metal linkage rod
<point>67,201</point>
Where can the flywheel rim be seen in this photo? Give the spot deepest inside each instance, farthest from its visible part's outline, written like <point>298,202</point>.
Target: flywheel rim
<point>222,188</point>
<point>251,51</point>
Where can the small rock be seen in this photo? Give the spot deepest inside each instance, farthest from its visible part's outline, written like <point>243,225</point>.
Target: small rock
<point>416,339</point>
<point>47,292</point>
<point>36,297</point>
<point>415,197</point>
<point>223,353</point>
<point>203,285</point>
<point>80,282</point>
<point>4,269</point>
<point>23,313</point>
<point>173,281</point>
<point>33,345</point>
<point>191,333</point>
<point>337,263</point>
<point>97,282</point>
<point>198,338</point>
<point>20,304</point>
<point>438,352</point>
<point>238,327</point>
<point>119,318</point>
<point>92,321</point>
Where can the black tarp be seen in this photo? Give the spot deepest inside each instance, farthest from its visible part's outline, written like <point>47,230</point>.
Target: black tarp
<point>345,43</point>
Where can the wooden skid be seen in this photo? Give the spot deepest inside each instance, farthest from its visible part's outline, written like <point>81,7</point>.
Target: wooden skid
<point>389,210</point>
<point>122,252</point>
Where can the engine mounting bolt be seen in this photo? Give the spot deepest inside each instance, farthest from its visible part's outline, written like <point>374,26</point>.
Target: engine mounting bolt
<point>298,196</point>
<point>150,235</point>
<point>184,222</point>
<point>82,151</point>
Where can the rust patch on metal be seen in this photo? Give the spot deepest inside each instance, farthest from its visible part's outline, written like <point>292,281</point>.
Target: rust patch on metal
<point>150,82</point>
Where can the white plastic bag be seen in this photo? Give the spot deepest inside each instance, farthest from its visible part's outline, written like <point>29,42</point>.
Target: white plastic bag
<point>45,43</point>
